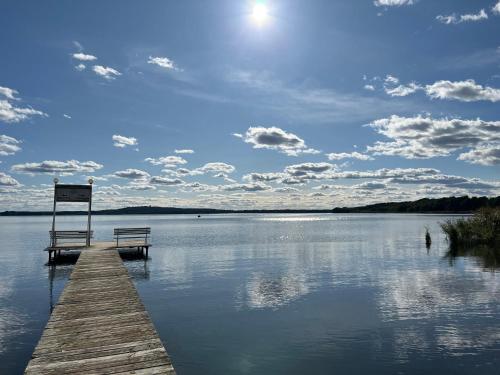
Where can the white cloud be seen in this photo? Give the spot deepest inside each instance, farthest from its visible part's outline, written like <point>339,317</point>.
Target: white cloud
<point>8,93</point>
<point>10,113</point>
<point>58,167</point>
<point>442,179</point>
<point>481,15</point>
<point>246,187</point>
<point>384,173</point>
<point>158,180</point>
<point>184,151</point>
<point>403,90</point>
<point>306,172</point>
<point>140,185</point>
<point>483,155</point>
<point>132,174</point>
<point>167,161</point>
<point>466,91</point>
<point>371,185</point>
<point>8,145</point>
<point>455,19</point>
<point>106,72</point>
<point>274,138</point>
<point>393,88</point>
<point>83,57</point>
<point>66,116</point>
<point>425,137</point>
<point>217,167</point>
<point>496,9</point>
<point>263,177</point>
<point>391,80</point>
<point>301,173</point>
<point>448,20</point>
<point>286,189</point>
<point>80,67</point>
<point>346,155</point>
<point>121,141</point>
<point>369,87</point>
<point>163,62</point>
<point>224,176</point>
<point>391,3</point>
<point>8,181</point>
<point>13,114</point>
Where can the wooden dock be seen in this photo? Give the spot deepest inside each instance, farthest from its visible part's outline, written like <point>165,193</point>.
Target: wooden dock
<point>99,325</point>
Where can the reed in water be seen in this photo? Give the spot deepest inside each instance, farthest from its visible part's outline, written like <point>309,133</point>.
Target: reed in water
<point>481,228</point>
<point>428,240</point>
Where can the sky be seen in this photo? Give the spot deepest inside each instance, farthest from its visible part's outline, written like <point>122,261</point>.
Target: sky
<point>249,104</point>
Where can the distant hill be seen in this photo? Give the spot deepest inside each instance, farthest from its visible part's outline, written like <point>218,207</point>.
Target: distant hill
<point>425,205</point>
<point>150,210</point>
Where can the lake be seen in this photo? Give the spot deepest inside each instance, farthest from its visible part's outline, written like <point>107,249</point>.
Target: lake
<point>278,293</point>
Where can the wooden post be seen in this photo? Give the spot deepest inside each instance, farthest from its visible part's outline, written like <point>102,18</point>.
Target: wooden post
<point>52,237</point>
<point>89,214</point>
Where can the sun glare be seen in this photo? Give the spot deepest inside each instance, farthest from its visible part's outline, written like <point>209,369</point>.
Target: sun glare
<point>260,13</point>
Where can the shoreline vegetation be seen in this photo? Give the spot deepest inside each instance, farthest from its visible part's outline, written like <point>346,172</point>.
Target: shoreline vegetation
<point>483,228</point>
<point>450,205</point>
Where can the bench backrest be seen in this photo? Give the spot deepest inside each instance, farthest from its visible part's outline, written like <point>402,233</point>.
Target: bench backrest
<point>58,235</point>
<point>69,233</point>
<point>132,233</point>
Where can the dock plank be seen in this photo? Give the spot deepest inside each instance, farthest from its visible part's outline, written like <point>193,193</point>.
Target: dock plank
<point>99,325</point>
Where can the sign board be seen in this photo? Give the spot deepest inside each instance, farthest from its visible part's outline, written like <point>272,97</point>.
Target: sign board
<point>73,193</point>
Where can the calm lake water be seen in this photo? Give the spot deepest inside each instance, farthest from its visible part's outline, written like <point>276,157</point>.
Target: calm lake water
<point>278,294</point>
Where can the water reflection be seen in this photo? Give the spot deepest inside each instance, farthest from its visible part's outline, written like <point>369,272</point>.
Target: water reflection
<point>265,291</point>
<point>460,341</point>
<point>137,265</point>
<point>487,256</point>
<point>59,270</point>
<point>290,294</point>
<point>11,323</point>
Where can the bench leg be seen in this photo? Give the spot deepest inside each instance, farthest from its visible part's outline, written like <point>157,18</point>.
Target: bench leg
<point>147,250</point>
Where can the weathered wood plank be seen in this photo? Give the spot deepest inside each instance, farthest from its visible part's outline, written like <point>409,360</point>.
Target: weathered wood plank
<point>84,353</point>
<point>99,325</point>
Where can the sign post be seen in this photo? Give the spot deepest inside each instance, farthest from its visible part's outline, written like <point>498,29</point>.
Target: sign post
<point>73,193</point>
<point>89,212</point>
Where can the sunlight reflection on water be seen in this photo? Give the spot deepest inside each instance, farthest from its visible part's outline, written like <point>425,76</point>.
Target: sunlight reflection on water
<point>302,218</point>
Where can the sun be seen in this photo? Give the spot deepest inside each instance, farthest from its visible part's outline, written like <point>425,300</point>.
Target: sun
<point>260,13</point>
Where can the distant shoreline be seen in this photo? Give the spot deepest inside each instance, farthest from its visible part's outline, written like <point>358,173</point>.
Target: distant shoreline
<point>451,205</point>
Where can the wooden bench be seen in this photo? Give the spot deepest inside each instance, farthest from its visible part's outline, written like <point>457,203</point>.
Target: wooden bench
<point>133,237</point>
<point>65,240</point>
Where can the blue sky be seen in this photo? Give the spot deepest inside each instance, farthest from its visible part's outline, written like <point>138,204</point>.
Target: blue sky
<point>248,104</point>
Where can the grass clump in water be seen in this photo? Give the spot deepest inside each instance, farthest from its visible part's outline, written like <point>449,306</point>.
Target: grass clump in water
<point>481,228</point>
<point>428,240</point>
